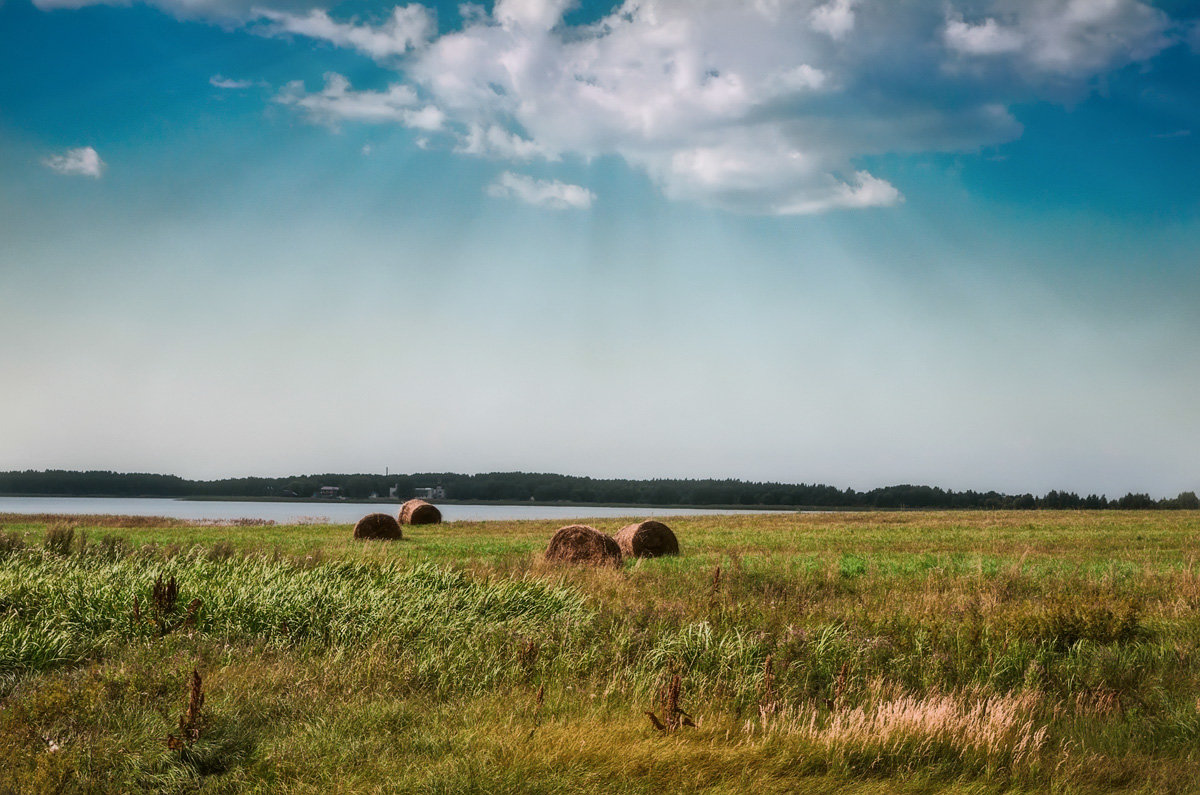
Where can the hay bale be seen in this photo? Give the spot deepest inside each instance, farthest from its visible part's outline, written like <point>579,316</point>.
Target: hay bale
<point>377,525</point>
<point>648,539</point>
<point>578,543</point>
<point>419,512</point>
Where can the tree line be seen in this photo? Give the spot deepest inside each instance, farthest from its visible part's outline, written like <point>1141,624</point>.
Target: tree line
<point>542,487</point>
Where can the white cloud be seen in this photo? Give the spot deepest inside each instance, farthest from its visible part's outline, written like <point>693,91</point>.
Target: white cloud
<point>83,161</point>
<point>407,28</point>
<point>540,192</point>
<point>764,107</point>
<point>800,78</point>
<point>534,15</point>
<point>338,102</point>
<point>764,173</point>
<point>835,18</point>
<point>429,118</point>
<point>1073,38</point>
<point>987,38</point>
<point>770,106</point>
<point>693,92</point>
<point>864,191</point>
<point>227,83</point>
<point>495,141</point>
<point>225,10</point>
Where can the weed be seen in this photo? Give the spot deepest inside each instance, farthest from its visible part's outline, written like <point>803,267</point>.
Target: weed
<point>191,721</point>
<point>852,566</point>
<point>673,715</point>
<point>59,539</point>
<point>112,547</point>
<point>222,550</point>
<point>163,597</point>
<point>11,543</point>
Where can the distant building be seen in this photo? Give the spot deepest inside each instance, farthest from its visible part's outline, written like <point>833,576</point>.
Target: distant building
<point>329,493</point>
<point>434,493</point>
<point>394,492</point>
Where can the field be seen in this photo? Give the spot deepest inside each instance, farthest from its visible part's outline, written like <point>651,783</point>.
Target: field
<point>850,653</point>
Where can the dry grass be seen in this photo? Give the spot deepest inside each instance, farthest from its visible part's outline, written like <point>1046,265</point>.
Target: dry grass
<point>974,730</point>
<point>124,522</point>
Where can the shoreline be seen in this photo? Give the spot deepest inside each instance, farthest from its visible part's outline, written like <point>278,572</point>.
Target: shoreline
<point>384,501</point>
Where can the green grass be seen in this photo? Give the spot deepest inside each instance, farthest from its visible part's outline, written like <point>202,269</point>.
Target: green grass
<point>915,652</point>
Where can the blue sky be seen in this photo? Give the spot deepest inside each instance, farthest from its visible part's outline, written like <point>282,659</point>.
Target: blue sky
<point>848,241</point>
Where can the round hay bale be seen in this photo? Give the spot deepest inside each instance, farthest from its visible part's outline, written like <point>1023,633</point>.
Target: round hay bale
<point>578,543</point>
<point>649,539</point>
<point>377,525</point>
<point>419,512</point>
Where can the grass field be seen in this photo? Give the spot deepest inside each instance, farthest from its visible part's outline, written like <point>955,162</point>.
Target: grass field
<point>849,653</point>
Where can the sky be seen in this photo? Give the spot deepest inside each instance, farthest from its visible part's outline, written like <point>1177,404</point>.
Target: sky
<point>856,242</point>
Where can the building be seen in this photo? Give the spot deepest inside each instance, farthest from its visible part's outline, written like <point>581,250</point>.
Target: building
<point>329,493</point>
<point>434,493</point>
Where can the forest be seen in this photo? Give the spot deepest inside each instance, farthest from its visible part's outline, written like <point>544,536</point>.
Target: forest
<point>544,487</point>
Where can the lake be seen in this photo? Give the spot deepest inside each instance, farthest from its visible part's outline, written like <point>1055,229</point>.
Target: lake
<point>330,512</point>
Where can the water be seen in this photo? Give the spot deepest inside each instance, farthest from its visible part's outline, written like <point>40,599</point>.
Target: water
<point>331,512</point>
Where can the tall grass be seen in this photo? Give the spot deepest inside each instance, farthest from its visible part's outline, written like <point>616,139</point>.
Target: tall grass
<point>454,628</point>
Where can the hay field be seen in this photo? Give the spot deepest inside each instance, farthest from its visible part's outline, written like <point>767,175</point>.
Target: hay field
<point>850,653</point>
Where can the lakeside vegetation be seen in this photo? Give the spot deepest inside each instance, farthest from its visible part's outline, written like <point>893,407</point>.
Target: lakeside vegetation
<point>543,487</point>
<point>877,652</point>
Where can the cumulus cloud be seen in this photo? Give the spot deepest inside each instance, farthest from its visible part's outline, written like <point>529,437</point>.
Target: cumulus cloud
<point>493,140</point>
<point>337,102</point>
<point>986,38</point>
<point>681,90</point>
<point>765,107</point>
<point>767,177</point>
<point>532,15</point>
<point>83,161</point>
<point>835,18</point>
<point>407,28</point>
<point>540,192</point>
<point>1065,37</point>
<point>770,106</point>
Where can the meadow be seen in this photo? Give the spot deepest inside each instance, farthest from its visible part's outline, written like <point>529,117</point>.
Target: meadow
<point>979,652</point>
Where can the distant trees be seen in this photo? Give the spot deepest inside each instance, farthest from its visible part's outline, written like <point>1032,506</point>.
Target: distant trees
<point>1058,500</point>
<point>1186,500</point>
<point>54,482</point>
<point>1138,502</point>
<point>546,487</point>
